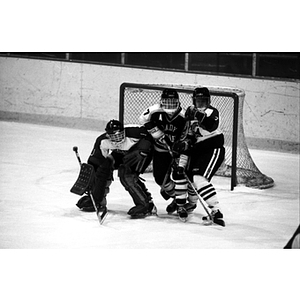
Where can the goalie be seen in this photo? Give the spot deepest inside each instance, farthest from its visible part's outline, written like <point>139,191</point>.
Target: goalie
<point>128,150</point>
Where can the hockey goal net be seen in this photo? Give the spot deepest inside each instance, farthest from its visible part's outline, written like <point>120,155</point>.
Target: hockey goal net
<point>238,163</point>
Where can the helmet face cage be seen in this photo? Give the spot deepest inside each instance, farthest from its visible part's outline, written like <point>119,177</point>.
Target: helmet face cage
<point>169,105</point>
<point>201,98</point>
<point>117,137</point>
<point>201,102</point>
<point>115,132</point>
<point>169,101</point>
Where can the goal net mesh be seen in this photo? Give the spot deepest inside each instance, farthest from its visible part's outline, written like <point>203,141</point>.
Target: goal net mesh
<point>134,99</point>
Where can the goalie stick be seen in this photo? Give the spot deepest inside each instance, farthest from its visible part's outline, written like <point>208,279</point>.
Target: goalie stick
<point>83,185</point>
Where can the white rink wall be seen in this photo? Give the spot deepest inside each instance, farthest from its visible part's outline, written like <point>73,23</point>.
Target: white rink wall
<point>87,96</point>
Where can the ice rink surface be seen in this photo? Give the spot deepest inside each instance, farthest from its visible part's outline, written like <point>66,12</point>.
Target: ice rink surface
<point>38,168</point>
<point>133,258</point>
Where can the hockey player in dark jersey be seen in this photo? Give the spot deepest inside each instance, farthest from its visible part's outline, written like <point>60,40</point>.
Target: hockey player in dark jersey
<point>128,150</point>
<point>202,151</point>
<point>165,122</point>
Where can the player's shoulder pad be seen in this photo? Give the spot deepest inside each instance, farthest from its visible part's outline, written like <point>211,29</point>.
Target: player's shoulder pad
<point>153,109</point>
<point>101,137</point>
<point>211,111</point>
<point>147,113</point>
<point>182,112</point>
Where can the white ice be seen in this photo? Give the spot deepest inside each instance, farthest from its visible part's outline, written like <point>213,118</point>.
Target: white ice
<point>38,168</point>
<point>133,258</point>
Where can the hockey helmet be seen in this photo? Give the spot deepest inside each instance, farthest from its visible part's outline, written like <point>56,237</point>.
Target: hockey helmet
<point>201,98</point>
<point>169,101</point>
<point>115,131</point>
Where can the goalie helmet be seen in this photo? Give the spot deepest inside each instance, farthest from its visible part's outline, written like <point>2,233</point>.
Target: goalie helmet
<point>201,98</point>
<point>169,101</point>
<point>115,131</point>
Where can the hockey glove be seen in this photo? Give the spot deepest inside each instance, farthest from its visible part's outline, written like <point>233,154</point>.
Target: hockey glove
<point>179,147</point>
<point>180,167</point>
<point>134,157</point>
<point>159,136</point>
<point>192,113</point>
<point>165,141</point>
<point>156,132</point>
<point>178,171</point>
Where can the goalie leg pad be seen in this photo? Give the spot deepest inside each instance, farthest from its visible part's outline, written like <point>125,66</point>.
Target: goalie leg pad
<point>137,190</point>
<point>103,179</point>
<point>84,181</point>
<point>138,210</point>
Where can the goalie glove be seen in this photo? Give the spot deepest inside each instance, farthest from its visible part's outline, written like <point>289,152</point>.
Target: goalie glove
<point>134,157</point>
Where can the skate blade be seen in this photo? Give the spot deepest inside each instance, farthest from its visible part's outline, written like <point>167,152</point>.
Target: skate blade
<point>143,216</point>
<point>183,219</point>
<point>102,216</point>
<point>208,222</point>
<point>216,222</point>
<point>172,212</point>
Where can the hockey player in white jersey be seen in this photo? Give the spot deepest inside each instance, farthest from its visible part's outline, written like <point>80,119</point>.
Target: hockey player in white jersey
<point>128,150</point>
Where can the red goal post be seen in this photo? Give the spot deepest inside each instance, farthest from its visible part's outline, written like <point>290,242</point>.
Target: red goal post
<point>238,163</point>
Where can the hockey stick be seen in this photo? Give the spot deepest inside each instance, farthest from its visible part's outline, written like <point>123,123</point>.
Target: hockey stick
<point>101,217</point>
<point>75,149</point>
<point>200,199</point>
<point>167,175</point>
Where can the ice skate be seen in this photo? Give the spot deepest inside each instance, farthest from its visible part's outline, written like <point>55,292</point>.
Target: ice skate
<point>142,211</point>
<point>217,218</point>
<point>102,213</point>
<point>182,214</point>
<point>189,207</point>
<point>172,207</point>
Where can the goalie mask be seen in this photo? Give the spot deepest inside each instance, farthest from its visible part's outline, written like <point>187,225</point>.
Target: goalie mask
<point>115,132</point>
<point>169,101</point>
<point>201,98</point>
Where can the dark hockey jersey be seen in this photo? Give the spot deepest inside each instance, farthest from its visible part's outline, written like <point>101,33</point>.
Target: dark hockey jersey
<point>172,126</point>
<point>205,129</point>
<point>104,147</point>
